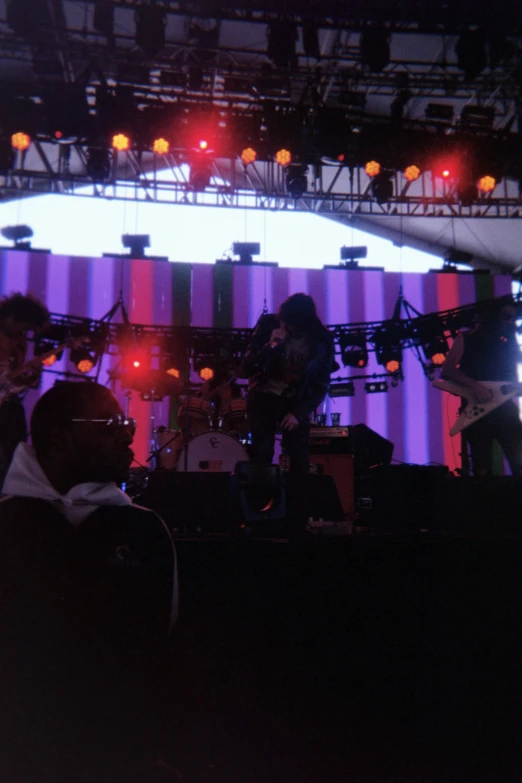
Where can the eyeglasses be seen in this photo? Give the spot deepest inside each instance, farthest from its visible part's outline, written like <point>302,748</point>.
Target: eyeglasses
<point>113,421</point>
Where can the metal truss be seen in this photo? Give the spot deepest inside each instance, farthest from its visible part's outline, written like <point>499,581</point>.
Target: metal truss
<point>332,190</point>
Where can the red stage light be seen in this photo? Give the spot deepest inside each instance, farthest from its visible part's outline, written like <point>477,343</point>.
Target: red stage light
<point>203,144</point>
<point>136,363</point>
<point>446,173</point>
<point>58,135</point>
<point>340,158</point>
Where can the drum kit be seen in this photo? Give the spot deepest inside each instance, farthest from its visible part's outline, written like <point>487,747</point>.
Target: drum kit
<point>209,439</point>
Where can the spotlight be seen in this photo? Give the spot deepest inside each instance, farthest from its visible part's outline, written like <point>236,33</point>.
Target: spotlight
<point>435,351</point>
<point>296,181</point>
<point>160,146</point>
<point>245,251</point>
<point>47,353</point>
<point>388,351</point>
<point>487,184</point>
<point>283,157</point>
<point>206,373</point>
<point>411,173</point>
<point>136,244</point>
<point>351,253</point>
<point>447,167</point>
<point>84,359</point>
<point>203,144</point>
<point>150,29</point>
<point>471,52</point>
<point>342,389</point>
<point>374,47</point>
<point>282,37</point>
<point>98,164</point>
<point>382,187</point>
<point>18,235</point>
<point>20,141</point>
<point>375,387</point>
<point>354,352</point>
<point>121,142</point>
<point>200,171</point>
<point>372,168</point>
<point>248,156</point>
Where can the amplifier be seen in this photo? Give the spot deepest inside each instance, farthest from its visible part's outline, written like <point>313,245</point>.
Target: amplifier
<point>329,432</point>
<point>341,468</point>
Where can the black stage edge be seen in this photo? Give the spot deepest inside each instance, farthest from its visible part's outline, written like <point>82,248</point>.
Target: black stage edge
<point>366,660</point>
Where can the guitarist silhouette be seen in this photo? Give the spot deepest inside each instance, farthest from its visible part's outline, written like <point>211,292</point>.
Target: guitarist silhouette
<point>489,353</point>
<point>19,315</point>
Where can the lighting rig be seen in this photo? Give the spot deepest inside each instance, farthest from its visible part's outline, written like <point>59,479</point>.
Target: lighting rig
<point>169,354</point>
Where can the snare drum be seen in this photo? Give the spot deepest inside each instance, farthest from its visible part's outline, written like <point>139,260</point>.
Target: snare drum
<point>168,456</point>
<point>234,416</point>
<point>212,452</point>
<point>195,415</point>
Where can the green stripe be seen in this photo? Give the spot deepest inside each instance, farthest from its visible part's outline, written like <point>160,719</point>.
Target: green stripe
<point>223,296</point>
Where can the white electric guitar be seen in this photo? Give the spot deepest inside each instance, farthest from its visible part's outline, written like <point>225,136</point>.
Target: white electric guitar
<point>501,392</point>
<point>15,382</point>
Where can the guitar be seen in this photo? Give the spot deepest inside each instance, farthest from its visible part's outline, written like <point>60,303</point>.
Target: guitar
<point>13,382</point>
<point>501,392</point>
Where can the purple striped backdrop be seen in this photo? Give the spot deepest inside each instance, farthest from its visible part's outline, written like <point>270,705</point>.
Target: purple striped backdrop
<point>413,415</point>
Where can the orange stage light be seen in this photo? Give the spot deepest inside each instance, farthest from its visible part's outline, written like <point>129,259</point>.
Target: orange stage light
<point>438,359</point>
<point>52,359</point>
<point>21,141</point>
<point>121,142</point>
<point>206,373</point>
<point>85,365</point>
<point>283,157</point>
<point>161,146</point>
<point>248,156</point>
<point>392,366</point>
<point>174,372</point>
<point>411,173</point>
<point>487,184</point>
<point>372,168</point>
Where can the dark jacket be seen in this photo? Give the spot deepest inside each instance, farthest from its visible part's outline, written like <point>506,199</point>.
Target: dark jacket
<point>262,358</point>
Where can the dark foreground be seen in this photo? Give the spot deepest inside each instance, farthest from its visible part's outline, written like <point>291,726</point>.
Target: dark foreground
<point>364,659</point>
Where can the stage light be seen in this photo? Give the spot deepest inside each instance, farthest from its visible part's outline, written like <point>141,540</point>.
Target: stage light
<point>382,187</point>
<point>47,353</point>
<point>161,146</point>
<point>150,29</point>
<point>374,387</point>
<point>206,373</point>
<point>487,184</point>
<point>389,356</point>
<point>296,180</point>
<point>471,52</point>
<point>283,157</point>
<point>374,47</point>
<point>372,168</point>
<point>20,141</point>
<point>203,144</point>
<point>98,164</point>
<point>446,173</point>
<point>174,372</point>
<point>245,251</point>
<point>411,173</point>
<point>121,142</point>
<point>248,156</point>
<point>354,352</point>
<point>200,171</point>
<point>83,359</point>
<point>18,235</point>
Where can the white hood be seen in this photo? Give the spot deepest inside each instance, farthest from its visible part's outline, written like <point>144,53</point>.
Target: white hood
<point>25,478</point>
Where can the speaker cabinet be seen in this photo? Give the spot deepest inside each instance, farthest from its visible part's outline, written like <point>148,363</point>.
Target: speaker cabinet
<point>341,468</point>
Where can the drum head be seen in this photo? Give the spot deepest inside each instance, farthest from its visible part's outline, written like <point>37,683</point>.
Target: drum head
<point>212,452</point>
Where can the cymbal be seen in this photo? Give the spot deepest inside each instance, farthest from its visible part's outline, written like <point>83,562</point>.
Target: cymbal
<point>153,383</point>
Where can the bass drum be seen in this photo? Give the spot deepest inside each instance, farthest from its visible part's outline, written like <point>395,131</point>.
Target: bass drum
<point>212,452</point>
